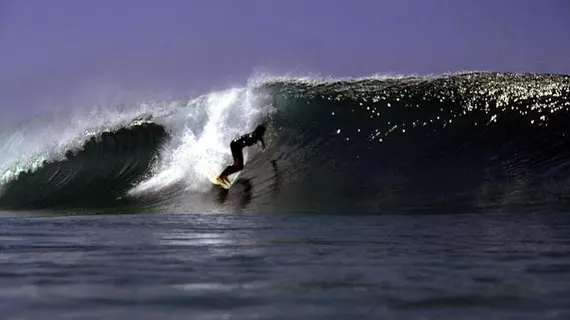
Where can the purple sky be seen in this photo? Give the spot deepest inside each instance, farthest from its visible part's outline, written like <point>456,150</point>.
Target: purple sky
<point>58,52</point>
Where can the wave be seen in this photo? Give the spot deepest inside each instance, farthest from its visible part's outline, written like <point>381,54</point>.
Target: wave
<point>96,176</point>
<point>453,143</point>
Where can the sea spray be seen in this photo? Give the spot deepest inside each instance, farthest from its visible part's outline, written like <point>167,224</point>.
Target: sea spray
<point>201,133</point>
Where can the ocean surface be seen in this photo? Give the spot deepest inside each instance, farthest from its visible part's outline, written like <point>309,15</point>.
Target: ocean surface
<point>285,266</point>
<point>441,197</point>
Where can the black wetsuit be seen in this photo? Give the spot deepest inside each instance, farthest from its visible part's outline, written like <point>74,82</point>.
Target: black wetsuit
<point>236,147</point>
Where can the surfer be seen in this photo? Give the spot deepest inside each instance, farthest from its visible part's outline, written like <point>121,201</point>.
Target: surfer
<point>236,147</point>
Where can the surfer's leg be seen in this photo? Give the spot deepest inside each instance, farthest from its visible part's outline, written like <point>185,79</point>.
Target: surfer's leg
<point>236,166</point>
<point>223,177</point>
<point>238,158</point>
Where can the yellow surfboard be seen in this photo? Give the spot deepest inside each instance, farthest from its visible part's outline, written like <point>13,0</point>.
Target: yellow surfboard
<point>226,186</point>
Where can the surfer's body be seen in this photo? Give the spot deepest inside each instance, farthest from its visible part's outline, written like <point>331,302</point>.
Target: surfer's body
<point>236,147</point>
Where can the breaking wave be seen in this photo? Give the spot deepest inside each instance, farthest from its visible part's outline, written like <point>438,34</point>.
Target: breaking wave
<point>453,143</point>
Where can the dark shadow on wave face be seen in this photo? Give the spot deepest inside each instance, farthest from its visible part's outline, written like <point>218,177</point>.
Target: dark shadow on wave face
<point>276,186</point>
<point>221,195</point>
<point>245,198</point>
<point>245,193</point>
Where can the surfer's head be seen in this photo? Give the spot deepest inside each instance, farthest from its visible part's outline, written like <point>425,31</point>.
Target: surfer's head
<point>259,131</point>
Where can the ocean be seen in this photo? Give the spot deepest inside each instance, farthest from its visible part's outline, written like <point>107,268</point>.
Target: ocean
<point>382,197</point>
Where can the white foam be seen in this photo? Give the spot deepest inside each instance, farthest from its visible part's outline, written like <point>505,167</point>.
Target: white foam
<point>200,129</point>
<point>201,133</point>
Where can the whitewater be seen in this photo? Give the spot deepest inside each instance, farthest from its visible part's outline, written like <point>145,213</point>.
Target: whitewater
<point>198,129</point>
